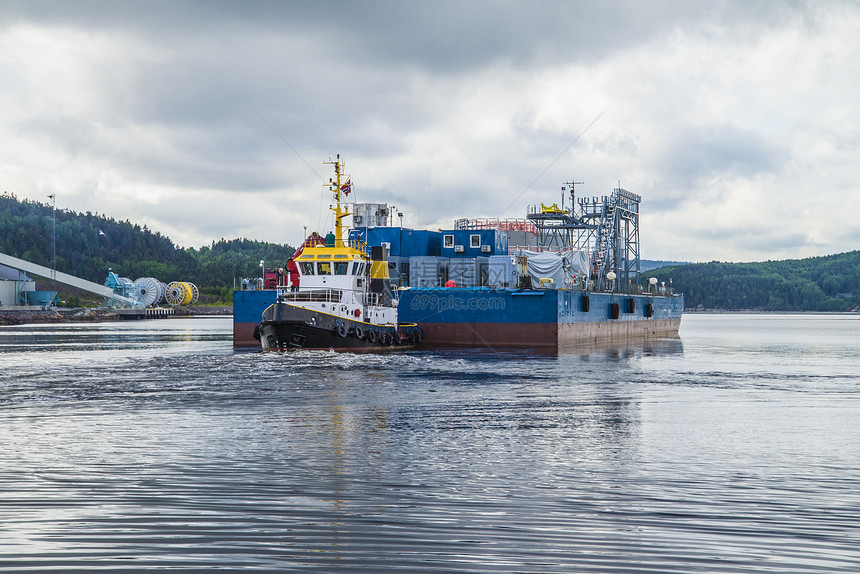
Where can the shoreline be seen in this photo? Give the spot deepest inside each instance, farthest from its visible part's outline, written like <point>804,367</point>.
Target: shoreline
<point>86,315</point>
<point>91,315</point>
<point>763,312</point>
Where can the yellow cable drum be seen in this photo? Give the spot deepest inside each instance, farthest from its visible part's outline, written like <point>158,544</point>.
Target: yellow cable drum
<point>181,293</point>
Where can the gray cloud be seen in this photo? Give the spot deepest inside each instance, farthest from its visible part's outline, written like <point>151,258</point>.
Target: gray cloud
<point>448,109</point>
<point>706,151</point>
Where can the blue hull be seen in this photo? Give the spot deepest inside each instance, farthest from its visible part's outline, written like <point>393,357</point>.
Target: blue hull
<point>248,307</point>
<point>539,318</point>
<point>479,317</point>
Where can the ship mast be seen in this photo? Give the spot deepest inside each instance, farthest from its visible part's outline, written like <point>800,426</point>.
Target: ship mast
<point>337,187</point>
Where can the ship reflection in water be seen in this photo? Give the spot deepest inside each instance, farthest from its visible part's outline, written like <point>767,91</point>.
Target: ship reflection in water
<point>729,449</point>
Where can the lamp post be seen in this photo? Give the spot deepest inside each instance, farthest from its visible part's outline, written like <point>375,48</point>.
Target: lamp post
<point>53,241</point>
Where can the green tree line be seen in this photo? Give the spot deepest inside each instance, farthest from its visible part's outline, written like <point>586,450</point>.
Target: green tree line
<point>88,244</point>
<point>829,283</point>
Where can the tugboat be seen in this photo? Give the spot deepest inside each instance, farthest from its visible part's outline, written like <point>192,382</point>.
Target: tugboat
<point>343,300</point>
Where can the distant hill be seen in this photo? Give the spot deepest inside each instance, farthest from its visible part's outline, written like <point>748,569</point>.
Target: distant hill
<point>830,283</point>
<point>89,244</point>
<point>648,264</point>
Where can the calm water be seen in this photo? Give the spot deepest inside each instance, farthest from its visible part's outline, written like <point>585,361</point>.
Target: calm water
<point>149,446</point>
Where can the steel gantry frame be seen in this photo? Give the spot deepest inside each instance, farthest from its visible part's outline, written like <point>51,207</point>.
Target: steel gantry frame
<point>606,227</point>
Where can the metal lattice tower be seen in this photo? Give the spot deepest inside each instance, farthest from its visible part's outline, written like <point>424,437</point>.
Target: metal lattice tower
<point>606,227</point>
<point>616,246</point>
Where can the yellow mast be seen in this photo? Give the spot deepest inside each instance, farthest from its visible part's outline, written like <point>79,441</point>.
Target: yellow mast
<point>339,212</point>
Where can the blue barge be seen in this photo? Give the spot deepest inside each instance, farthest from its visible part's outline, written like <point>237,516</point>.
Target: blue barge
<point>560,278</point>
<point>483,317</point>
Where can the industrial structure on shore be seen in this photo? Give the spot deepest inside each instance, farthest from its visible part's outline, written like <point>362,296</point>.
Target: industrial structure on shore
<point>18,290</point>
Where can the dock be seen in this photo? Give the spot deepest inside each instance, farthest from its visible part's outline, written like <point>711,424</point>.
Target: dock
<point>146,313</point>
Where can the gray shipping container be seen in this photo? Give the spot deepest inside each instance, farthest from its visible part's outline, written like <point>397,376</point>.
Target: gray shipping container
<point>397,266</point>
<point>428,271</point>
<point>502,272</point>
<point>469,271</point>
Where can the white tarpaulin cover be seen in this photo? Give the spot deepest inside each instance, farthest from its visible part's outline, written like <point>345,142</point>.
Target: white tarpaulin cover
<point>565,269</point>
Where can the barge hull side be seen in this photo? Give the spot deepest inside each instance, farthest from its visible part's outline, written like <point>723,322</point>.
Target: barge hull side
<point>490,334</point>
<point>546,335</point>
<point>572,335</point>
<point>243,335</point>
<point>248,307</point>
<point>478,318</point>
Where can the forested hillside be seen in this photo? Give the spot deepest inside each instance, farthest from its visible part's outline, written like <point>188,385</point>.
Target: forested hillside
<point>89,244</point>
<point>830,283</point>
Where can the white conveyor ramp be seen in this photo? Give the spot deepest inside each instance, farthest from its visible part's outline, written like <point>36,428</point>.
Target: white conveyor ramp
<point>64,278</point>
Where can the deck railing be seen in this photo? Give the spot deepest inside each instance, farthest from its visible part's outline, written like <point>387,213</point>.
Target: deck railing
<point>318,295</point>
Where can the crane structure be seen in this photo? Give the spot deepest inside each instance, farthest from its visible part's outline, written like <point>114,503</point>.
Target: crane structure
<point>607,228</point>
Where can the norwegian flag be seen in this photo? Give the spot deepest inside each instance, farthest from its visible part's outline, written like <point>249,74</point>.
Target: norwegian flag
<point>346,188</point>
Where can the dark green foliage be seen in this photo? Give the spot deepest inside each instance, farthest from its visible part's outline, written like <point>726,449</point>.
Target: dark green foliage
<point>830,283</point>
<point>88,245</point>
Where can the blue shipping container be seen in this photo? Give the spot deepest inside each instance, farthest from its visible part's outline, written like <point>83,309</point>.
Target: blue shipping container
<point>473,242</point>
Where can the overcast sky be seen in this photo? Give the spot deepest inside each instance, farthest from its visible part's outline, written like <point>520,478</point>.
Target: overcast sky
<point>737,122</point>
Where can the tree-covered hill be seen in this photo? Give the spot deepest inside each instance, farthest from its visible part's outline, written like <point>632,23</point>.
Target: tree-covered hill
<point>830,283</point>
<point>89,244</point>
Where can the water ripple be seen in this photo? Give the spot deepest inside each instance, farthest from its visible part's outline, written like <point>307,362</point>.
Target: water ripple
<point>144,449</point>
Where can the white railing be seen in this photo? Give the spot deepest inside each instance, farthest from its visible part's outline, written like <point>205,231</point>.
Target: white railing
<point>318,295</point>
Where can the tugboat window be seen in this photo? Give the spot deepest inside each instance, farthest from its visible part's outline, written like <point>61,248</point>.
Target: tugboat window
<point>475,240</point>
<point>340,268</point>
<point>323,268</point>
<point>307,268</point>
<point>448,241</point>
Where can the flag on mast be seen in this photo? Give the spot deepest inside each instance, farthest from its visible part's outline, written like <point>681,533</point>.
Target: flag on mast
<point>347,187</point>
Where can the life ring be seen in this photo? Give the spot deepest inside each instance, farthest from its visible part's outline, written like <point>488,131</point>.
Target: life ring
<point>358,332</point>
<point>340,330</point>
<point>371,335</point>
